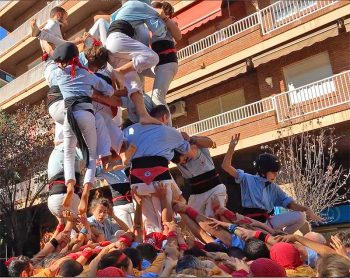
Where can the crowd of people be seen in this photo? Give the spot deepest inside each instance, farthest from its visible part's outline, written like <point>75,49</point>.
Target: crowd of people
<point>148,229</point>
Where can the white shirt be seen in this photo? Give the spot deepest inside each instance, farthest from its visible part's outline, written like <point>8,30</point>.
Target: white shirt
<point>53,27</point>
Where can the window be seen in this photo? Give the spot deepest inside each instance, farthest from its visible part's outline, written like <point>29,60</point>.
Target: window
<point>287,8</point>
<point>308,71</point>
<point>221,104</point>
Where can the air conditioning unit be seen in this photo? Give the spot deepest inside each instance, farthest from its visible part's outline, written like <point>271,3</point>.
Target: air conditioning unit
<point>178,109</point>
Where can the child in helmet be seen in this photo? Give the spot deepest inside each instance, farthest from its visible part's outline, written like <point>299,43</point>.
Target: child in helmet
<point>260,194</point>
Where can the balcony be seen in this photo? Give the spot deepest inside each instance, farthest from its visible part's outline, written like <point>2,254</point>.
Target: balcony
<point>24,31</point>
<point>22,84</point>
<point>269,19</point>
<point>314,100</point>
<point>5,78</point>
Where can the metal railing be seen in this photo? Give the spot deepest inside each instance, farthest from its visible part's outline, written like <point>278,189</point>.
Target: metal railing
<point>24,31</point>
<point>314,97</point>
<point>229,117</point>
<point>311,98</point>
<point>270,19</point>
<point>23,82</point>
<point>3,4</point>
<point>285,12</point>
<point>219,36</point>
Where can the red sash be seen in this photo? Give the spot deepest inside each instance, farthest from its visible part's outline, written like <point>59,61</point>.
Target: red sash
<point>147,175</point>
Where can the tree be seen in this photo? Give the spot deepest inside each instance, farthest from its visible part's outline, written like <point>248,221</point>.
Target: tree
<point>26,142</point>
<point>308,163</point>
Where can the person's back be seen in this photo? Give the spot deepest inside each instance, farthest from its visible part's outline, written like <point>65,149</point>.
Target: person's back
<point>155,140</point>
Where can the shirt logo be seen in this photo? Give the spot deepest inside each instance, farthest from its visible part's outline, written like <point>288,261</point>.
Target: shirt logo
<point>147,174</point>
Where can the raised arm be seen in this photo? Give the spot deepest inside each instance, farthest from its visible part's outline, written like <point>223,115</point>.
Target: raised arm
<point>173,29</point>
<point>227,162</point>
<point>199,141</point>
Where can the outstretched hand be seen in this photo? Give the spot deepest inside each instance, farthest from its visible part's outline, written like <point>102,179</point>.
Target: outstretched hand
<point>234,140</point>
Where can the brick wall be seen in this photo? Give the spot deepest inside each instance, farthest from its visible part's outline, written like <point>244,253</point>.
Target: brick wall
<point>248,82</point>
<point>255,87</point>
<point>337,48</point>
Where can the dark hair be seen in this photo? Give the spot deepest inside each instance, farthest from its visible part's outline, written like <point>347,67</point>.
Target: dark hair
<point>135,256</point>
<point>97,56</point>
<point>18,265</point>
<point>186,262</point>
<point>168,9</point>
<point>267,162</point>
<point>157,5</point>
<point>113,259</point>
<point>126,123</point>
<point>100,201</point>
<point>147,251</point>
<point>65,52</point>
<point>159,111</point>
<point>56,10</point>
<point>333,265</point>
<point>176,158</point>
<point>215,247</point>
<point>255,249</point>
<point>70,268</point>
<point>235,252</point>
<point>195,251</point>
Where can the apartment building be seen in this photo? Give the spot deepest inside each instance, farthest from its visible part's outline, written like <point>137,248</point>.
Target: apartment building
<point>255,67</point>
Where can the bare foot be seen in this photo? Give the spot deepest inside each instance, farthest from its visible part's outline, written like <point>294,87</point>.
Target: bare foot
<point>148,120</point>
<point>35,29</point>
<point>82,208</point>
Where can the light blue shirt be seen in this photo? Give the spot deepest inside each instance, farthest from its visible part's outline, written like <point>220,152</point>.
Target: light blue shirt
<point>155,140</point>
<point>107,227</point>
<point>255,194</point>
<point>312,257</point>
<point>201,164</point>
<point>82,83</point>
<point>113,177</point>
<point>136,13</point>
<point>55,164</point>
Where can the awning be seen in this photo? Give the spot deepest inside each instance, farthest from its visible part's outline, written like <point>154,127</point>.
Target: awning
<point>295,45</point>
<point>198,14</point>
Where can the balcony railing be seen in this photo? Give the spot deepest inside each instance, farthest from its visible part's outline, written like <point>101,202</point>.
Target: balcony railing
<point>314,97</point>
<point>22,83</point>
<point>3,4</point>
<point>219,36</point>
<point>270,19</point>
<point>229,117</point>
<point>311,98</point>
<point>285,12</point>
<point>24,31</point>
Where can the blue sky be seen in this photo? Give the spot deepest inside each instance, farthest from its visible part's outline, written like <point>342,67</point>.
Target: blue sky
<point>3,32</point>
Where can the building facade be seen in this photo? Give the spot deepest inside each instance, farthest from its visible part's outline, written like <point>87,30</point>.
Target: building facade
<point>253,67</point>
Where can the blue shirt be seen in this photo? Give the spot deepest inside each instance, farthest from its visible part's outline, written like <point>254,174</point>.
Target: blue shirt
<point>255,194</point>
<point>137,12</point>
<point>82,83</point>
<point>155,140</point>
<point>107,227</point>
<point>113,177</point>
<point>55,164</point>
<point>201,164</point>
<point>312,257</point>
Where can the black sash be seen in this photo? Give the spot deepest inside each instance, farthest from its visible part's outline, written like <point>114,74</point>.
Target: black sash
<point>54,95</point>
<point>149,162</point>
<point>69,104</point>
<point>121,26</point>
<point>161,46</point>
<point>204,182</point>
